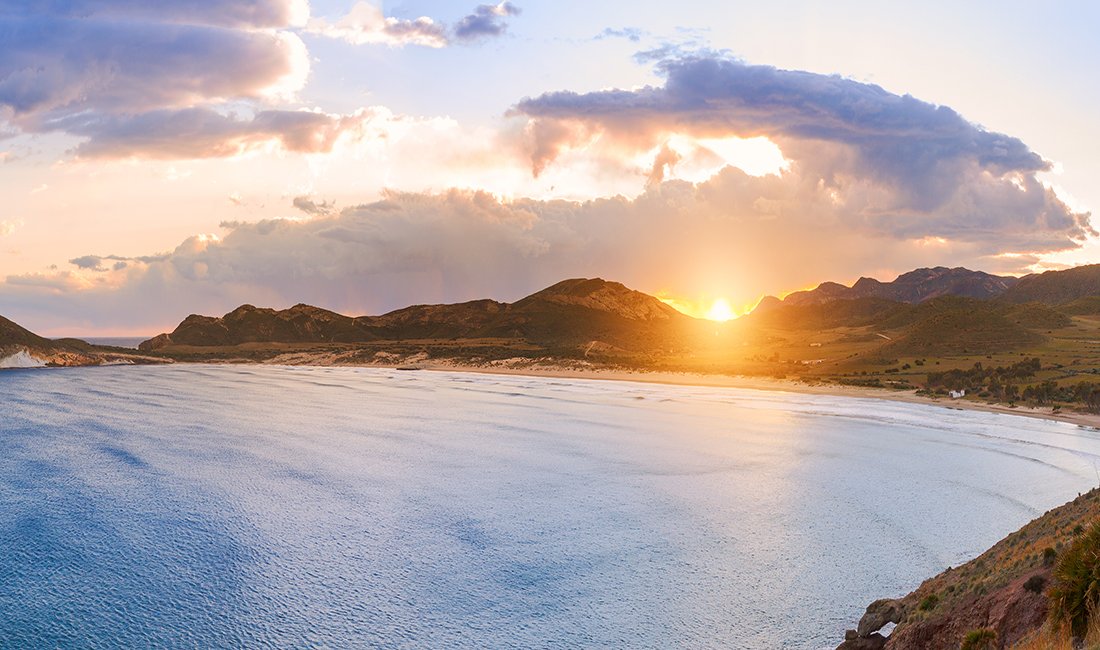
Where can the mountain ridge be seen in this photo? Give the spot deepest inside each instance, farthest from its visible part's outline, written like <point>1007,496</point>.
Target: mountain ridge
<point>569,311</point>
<point>912,287</point>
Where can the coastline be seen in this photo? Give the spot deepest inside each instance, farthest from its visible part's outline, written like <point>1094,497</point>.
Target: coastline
<point>1088,420</point>
<point>974,593</point>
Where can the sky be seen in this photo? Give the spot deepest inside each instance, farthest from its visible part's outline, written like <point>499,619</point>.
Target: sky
<point>163,159</point>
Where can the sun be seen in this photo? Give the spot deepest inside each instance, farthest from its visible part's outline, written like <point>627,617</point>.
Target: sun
<point>720,311</point>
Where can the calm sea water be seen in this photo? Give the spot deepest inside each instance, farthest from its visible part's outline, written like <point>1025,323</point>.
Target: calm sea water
<point>219,507</point>
<point>116,341</point>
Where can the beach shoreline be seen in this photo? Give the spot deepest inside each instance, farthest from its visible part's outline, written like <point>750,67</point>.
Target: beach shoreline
<point>772,384</point>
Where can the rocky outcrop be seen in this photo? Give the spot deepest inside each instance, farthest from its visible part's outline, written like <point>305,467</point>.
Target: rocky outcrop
<point>1012,611</point>
<point>1004,590</point>
<point>852,641</point>
<point>878,614</point>
<point>866,635</point>
<point>913,287</point>
<point>21,348</point>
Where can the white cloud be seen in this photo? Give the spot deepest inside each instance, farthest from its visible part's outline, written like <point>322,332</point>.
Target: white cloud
<point>720,237</point>
<point>366,24</point>
<point>9,227</point>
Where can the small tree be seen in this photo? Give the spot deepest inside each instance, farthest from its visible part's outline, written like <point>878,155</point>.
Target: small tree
<point>1075,594</point>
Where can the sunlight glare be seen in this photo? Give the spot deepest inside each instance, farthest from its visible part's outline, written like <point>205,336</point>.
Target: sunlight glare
<point>720,311</point>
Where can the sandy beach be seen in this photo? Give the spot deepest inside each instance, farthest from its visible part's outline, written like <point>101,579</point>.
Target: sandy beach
<point>581,370</point>
<point>768,384</point>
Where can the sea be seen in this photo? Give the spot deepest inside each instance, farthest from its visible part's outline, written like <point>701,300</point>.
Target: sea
<point>116,341</point>
<point>196,506</point>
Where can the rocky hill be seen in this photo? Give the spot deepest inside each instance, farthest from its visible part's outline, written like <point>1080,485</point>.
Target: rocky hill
<point>1005,590</point>
<point>248,324</point>
<point>20,348</point>
<point>947,324</point>
<point>1081,283</point>
<point>912,287</point>
<point>568,314</point>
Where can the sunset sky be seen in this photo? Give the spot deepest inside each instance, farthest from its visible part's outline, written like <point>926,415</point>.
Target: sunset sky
<point>161,159</point>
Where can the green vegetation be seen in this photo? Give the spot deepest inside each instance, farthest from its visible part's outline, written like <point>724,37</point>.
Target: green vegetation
<point>929,602</point>
<point>999,381</point>
<point>1035,584</point>
<point>1075,594</point>
<point>980,639</point>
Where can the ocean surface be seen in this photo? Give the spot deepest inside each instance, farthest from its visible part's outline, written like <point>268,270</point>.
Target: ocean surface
<point>245,506</point>
<point>116,341</point>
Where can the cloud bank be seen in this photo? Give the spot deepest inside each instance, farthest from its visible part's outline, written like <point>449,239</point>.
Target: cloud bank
<point>722,236</point>
<point>874,183</point>
<point>890,163</point>
<point>105,68</point>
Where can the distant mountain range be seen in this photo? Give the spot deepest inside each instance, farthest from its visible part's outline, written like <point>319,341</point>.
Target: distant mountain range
<point>927,311</point>
<point>569,313</point>
<point>1051,287</point>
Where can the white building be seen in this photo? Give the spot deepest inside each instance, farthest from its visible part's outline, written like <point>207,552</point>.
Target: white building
<point>956,394</point>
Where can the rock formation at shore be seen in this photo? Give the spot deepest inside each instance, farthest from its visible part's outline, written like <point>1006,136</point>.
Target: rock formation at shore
<point>21,348</point>
<point>1004,590</point>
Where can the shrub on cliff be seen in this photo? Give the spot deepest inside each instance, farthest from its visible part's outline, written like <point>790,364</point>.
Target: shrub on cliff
<point>1075,594</point>
<point>1035,584</point>
<point>979,639</point>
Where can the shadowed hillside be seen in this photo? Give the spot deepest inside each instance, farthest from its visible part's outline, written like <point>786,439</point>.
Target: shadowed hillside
<point>1005,590</point>
<point>571,313</point>
<point>20,347</point>
<point>1058,287</point>
<point>912,287</point>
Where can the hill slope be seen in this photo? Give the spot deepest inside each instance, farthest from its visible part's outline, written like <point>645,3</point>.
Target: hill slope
<point>913,287</point>
<point>1004,589</point>
<point>1057,287</point>
<point>19,347</point>
<point>568,314</point>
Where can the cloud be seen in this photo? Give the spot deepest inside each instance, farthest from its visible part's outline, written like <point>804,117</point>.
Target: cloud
<point>909,167</point>
<point>486,21</point>
<point>190,79</point>
<point>721,236</point>
<point>366,24</point>
<point>54,67</point>
<point>9,227</point>
<point>632,34</point>
<point>88,262</point>
<point>314,208</point>
<point>666,158</point>
<point>222,13</point>
<point>103,69</point>
<point>204,133</point>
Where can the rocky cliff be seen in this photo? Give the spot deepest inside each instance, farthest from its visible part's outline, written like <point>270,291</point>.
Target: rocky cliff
<point>1004,591</point>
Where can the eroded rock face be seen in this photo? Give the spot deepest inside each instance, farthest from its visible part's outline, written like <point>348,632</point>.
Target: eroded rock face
<point>1011,611</point>
<point>873,642</point>
<point>879,613</point>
